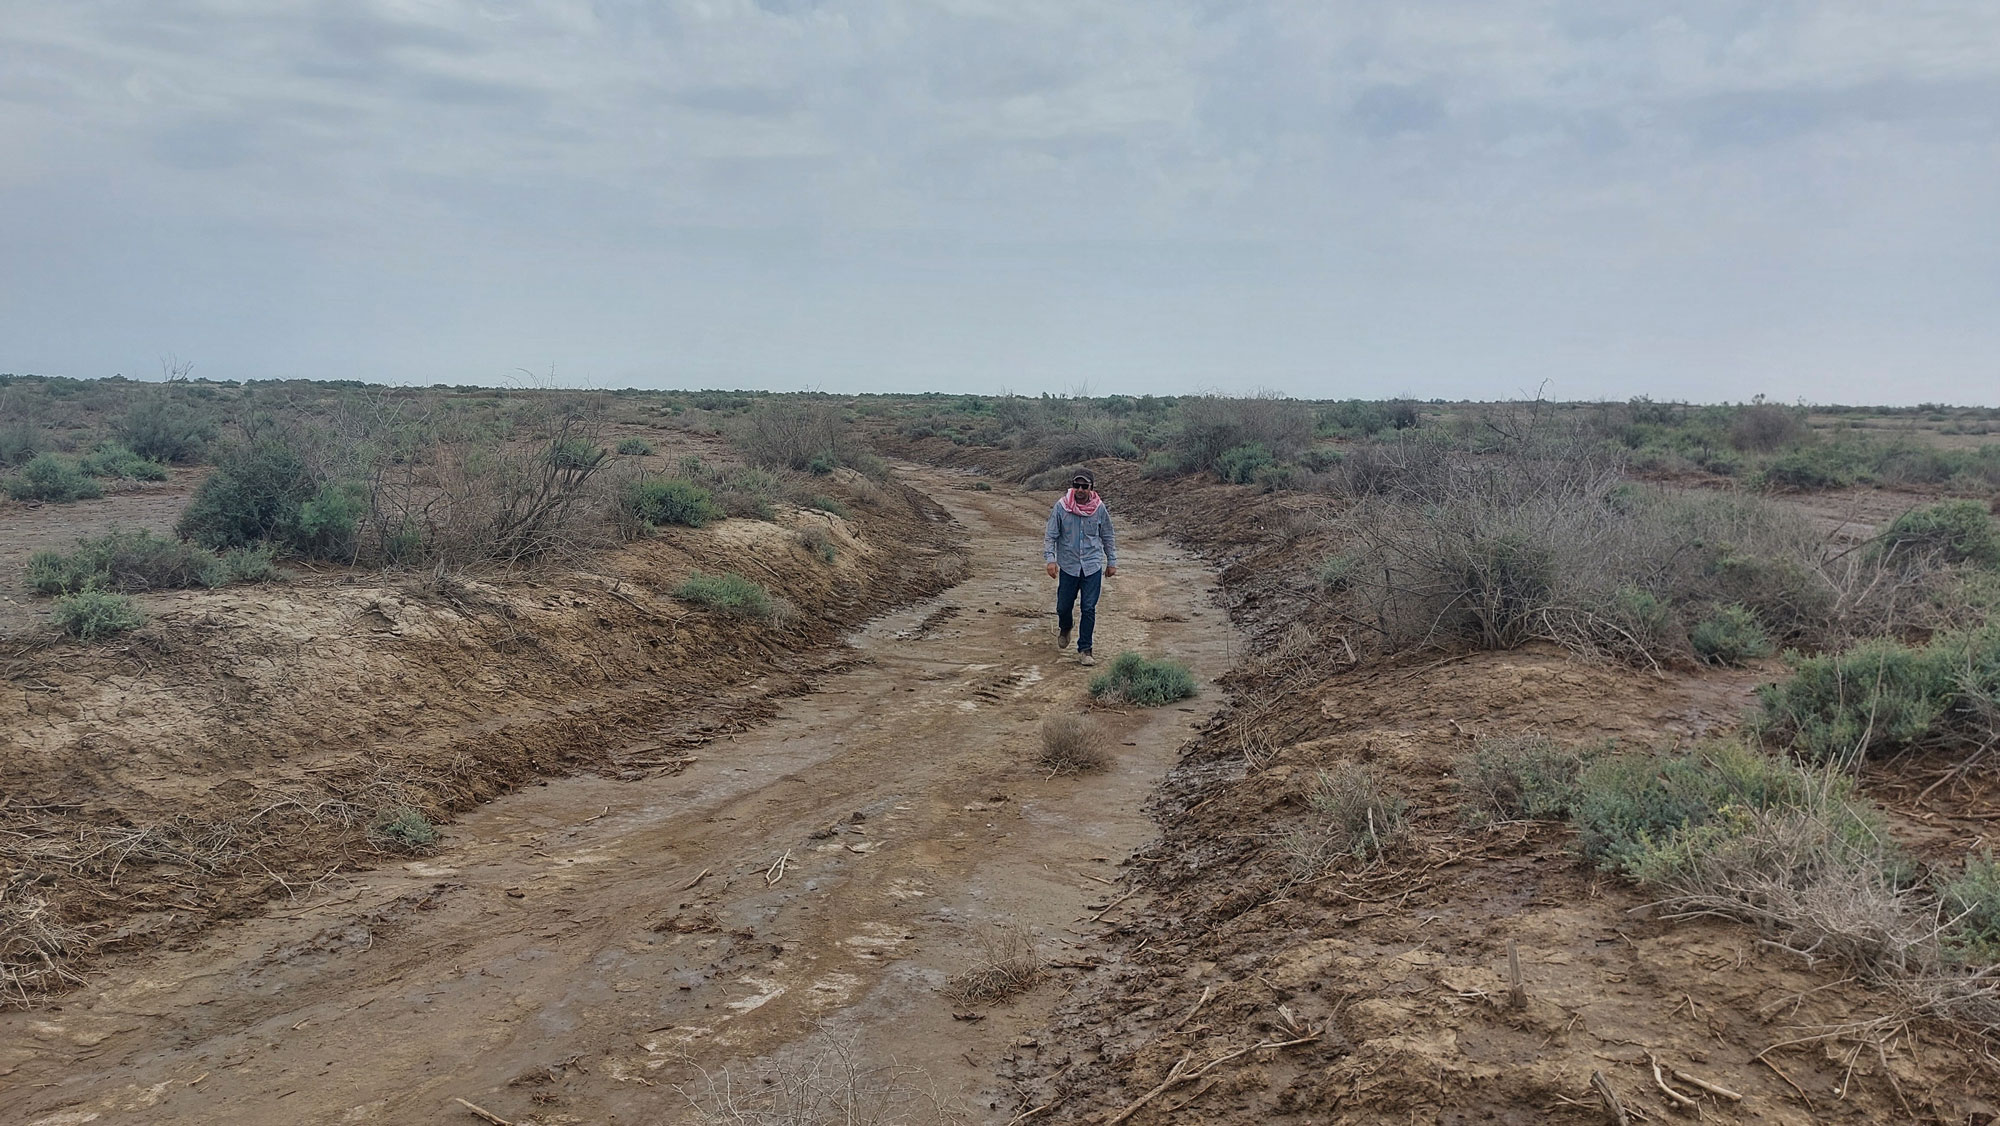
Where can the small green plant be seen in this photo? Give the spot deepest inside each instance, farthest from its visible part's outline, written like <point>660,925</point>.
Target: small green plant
<point>1972,908</point>
<point>94,614</point>
<point>54,479</point>
<point>403,829</point>
<point>1730,636</point>
<point>659,501</point>
<point>1521,778</point>
<point>818,540</point>
<point>117,461</point>
<point>1629,806</point>
<point>1335,572</point>
<point>575,453</point>
<point>635,447</point>
<point>1958,531</point>
<point>982,487</point>
<point>728,592</point>
<point>1134,679</point>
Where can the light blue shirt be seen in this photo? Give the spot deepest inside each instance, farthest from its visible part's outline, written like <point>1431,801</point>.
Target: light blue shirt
<point>1080,545</point>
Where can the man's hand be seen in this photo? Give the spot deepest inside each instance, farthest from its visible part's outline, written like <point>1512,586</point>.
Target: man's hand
<point>1110,571</point>
<point>1051,568</point>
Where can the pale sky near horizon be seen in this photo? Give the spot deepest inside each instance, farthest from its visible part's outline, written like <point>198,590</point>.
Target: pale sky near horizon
<point>1446,198</point>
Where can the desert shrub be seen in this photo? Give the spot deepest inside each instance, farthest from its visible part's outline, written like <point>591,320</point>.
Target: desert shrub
<point>1521,778</point>
<point>117,461</point>
<point>253,496</point>
<point>982,486</point>
<point>1882,696</point>
<point>165,428</point>
<point>1972,907</point>
<point>1730,636</point>
<point>1009,965</point>
<point>728,592</point>
<point>1240,466</point>
<point>328,524</point>
<point>139,560</point>
<point>1336,571</point>
<point>1767,427</point>
<point>807,435</point>
<point>1628,806</point>
<point>20,441</point>
<point>1134,679</point>
<point>55,479</point>
<point>94,614</point>
<point>574,453</point>
<point>1357,808</point>
<point>403,829</point>
<point>818,540</point>
<point>1808,469</point>
<point>1212,427</point>
<point>635,447</point>
<point>1956,531</point>
<point>659,501</point>
<point>1071,744</point>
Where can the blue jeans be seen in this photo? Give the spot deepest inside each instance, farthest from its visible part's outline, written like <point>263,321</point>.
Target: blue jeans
<point>1068,586</point>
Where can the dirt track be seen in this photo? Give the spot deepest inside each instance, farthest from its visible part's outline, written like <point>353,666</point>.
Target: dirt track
<point>565,957</point>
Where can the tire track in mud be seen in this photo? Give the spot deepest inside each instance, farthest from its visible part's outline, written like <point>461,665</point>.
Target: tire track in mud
<point>586,945</point>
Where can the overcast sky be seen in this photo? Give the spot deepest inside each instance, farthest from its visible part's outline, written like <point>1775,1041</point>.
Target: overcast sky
<point>1460,199</point>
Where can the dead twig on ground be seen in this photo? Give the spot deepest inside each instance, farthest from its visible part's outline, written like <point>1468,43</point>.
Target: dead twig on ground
<point>1660,1081</point>
<point>1612,1106</point>
<point>1206,992</point>
<point>776,871</point>
<point>481,1112</point>
<point>1176,1077</point>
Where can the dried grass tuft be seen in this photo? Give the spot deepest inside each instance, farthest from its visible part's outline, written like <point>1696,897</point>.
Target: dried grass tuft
<point>1009,965</point>
<point>1071,744</point>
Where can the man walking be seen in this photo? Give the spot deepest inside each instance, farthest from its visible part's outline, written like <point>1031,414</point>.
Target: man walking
<point>1079,551</point>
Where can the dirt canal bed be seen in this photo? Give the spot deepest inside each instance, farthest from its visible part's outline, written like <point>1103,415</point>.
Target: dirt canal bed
<point>799,897</point>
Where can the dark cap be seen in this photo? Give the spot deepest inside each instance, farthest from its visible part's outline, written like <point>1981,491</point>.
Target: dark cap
<point>1082,478</point>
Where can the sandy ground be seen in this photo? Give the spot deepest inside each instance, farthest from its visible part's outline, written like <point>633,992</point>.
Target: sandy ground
<point>582,948</point>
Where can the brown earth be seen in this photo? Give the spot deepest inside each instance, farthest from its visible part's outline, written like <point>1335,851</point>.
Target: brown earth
<point>581,948</point>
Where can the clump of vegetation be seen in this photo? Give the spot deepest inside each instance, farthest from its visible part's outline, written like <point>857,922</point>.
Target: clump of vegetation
<point>140,560</point>
<point>1335,572</point>
<point>1148,683</point>
<point>1956,531</point>
<point>1522,778</point>
<point>1071,744</point>
<point>1730,636</point>
<point>254,496</point>
<point>818,540</point>
<point>728,592</point>
<point>1353,813</point>
<point>1883,696</point>
<point>809,435</point>
<point>165,428</point>
<point>403,829</point>
<point>117,461</point>
<point>818,503</point>
<point>1009,965</point>
<point>655,502</point>
<point>54,479</point>
<point>1972,908</point>
<point>94,614</point>
<point>635,447</point>
<point>1630,807</point>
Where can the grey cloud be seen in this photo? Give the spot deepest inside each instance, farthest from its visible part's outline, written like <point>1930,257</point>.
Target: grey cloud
<point>1387,111</point>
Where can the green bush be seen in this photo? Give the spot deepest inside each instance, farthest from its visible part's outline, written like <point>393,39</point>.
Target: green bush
<point>329,522</point>
<point>116,460</point>
<point>1881,697</point>
<point>1335,572</point>
<point>403,829</point>
<point>254,496</point>
<point>1525,778</point>
<point>1148,683</point>
<point>659,501</point>
<point>1972,907</point>
<point>55,479</point>
<point>138,560</point>
<point>575,453</point>
<point>162,428</point>
<point>635,447</point>
<point>94,614</point>
<point>1958,531</point>
<point>1630,807</point>
<point>1240,465</point>
<point>1806,470</point>
<point>1730,636</point>
<point>20,441</point>
<point>728,592</point>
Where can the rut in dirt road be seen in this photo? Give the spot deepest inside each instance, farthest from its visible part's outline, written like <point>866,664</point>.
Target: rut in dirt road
<point>584,947</point>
